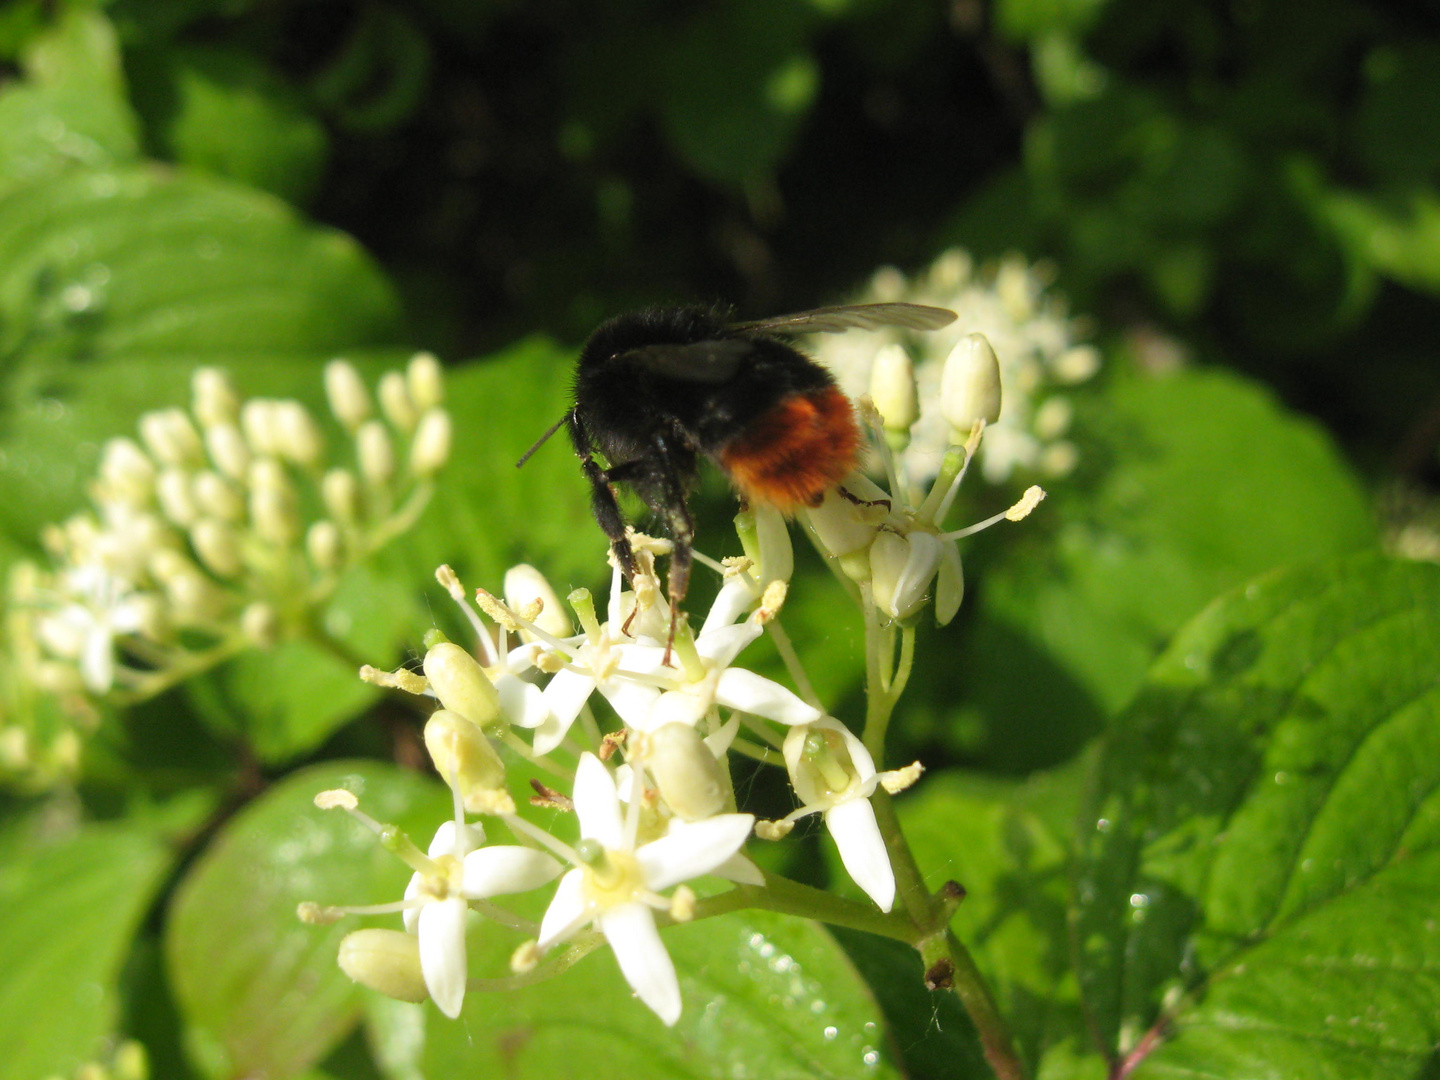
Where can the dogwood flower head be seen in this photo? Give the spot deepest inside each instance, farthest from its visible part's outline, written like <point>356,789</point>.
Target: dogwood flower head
<point>202,521</point>
<point>616,886</point>
<point>834,775</point>
<point>454,875</point>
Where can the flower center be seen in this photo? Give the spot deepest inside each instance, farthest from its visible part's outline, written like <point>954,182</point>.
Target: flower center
<point>613,878</point>
<point>446,879</point>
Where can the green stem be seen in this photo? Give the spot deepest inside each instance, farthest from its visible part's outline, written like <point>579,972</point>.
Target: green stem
<point>787,897</point>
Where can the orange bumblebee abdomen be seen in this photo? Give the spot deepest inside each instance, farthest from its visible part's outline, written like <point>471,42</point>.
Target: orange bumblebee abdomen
<point>805,444</point>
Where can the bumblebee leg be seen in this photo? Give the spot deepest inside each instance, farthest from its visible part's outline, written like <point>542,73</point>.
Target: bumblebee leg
<point>602,497</point>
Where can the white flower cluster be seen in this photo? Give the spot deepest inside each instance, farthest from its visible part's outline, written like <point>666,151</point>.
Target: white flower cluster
<point>1030,329</point>
<point>653,799</point>
<point>219,528</point>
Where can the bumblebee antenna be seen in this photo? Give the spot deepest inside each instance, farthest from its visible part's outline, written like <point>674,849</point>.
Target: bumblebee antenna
<point>542,440</point>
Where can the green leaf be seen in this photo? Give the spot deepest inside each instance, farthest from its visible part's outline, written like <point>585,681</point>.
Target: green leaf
<point>260,990</point>
<point>222,111</point>
<point>1257,882</point>
<point>737,85</point>
<point>71,108</point>
<point>1397,234</point>
<point>116,284</point>
<point>285,701</point>
<point>488,515</point>
<point>70,902</point>
<point>1202,482</point>
<point>764,996</point>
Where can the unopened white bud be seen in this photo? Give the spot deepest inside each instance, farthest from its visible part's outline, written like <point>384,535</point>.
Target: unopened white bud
<point>1059,458</point>
<point>260,623</point>
<point>425,381</point>
<point>386,961</point>
<point>274,505</point>
<point>345,390</point>
<point>523,586</point>
<point>257,420</point>
<point>298,438</point>
<point>217,547</point>
<point>431,446</point>
<point>685,771</point>
<point>228,450</point>
<point>395,401</point>
<point>176,495</point>
<point>324,545</point>
<point>213,399</point>
<point>970,386</point>
<point>171,437</point>
<point>892,388</point>
<point>126,471</point>
<point>467,762</point>
<point>340,492</point>
<point>193,599</point>
<point>461,684</point>
<point>219,498</point>
<point>1053,418</point>
<point>376,453</point>
<point>1016,286</point>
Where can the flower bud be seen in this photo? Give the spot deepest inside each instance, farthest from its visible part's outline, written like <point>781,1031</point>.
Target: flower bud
<point>176,495</point>
<point>1076,364</point>
<point>126,472</point>
<point>274,505</point>
<point>377,455</point>
<point>345,390</point>
<point>257,420</point>
<point>467,762</point>
<point>260,624</point>
<point>395,402</point>
<point>892,388</point>
<point>170,437</point>
<point>212,399</point>
<point>431,446</point>
<point>523,586</point>
<point>324,546</point>
<point>461,684</point>
<point>425,381</point>
<point>216,496</point>
<point>340,492</point>
<point>217,547</point>
<point>689,777</point>
<point>298,439</point>
<point>386,961</point>
<point>901,569</point>
<point>970,385</point>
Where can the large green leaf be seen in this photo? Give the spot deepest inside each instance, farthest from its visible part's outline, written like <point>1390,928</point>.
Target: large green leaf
<point>116,283</point>
<point>70,900</point>
<point>71,108</point>
<point>765,996</point>
<point>1200,481</point>
<point>1258,880</point>
<point>260,990</point>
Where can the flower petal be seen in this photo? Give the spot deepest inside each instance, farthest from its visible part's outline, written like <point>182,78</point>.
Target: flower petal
<point>567,693</point>
<point>744,690</point>
<point>690,849</point>
<point>446,841</point>
<point>597,804</point>
<point>507,869</point>
<point>949,583</point>
<point>862,850</point>
<point>522,703</point>
<point>442,953</point>
<point>630,929</point>
<point>721,646</point>
<point>632,701</point>
<point>565,910</point>
<point>739,869</point>
<point>734,599</point>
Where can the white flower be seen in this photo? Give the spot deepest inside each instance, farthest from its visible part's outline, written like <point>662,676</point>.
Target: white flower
<point>618,884</point>
<point>834,775</point>
<point>462,871</point>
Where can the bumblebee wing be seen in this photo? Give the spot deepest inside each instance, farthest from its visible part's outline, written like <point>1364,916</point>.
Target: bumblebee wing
<point>832,320</point>
<point>712,362</point>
